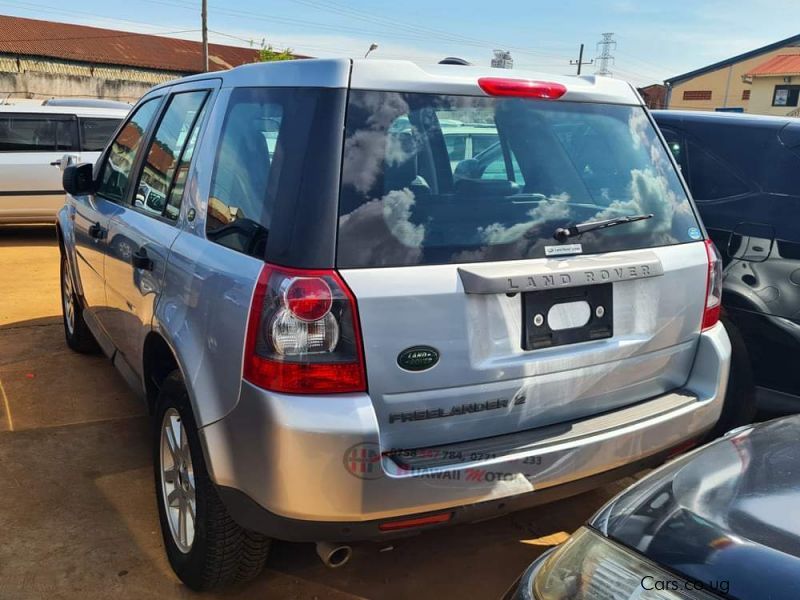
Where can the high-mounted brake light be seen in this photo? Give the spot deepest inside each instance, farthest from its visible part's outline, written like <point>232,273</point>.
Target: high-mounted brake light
<point>713,306</point>
<point>522,88</point>
<point>303,334</point>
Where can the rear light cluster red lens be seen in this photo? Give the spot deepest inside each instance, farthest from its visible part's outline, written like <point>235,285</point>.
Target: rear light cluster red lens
<point>303,334</point>
<point>522,88</point>
<point>714,287</point>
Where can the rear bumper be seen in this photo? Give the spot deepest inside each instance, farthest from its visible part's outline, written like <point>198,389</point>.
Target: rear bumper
<point>309,468</point>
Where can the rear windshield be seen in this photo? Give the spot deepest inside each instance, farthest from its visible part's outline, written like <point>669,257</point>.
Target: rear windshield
<point>435,179</point>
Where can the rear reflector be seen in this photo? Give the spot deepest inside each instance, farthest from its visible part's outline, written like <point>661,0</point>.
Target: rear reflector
<point>522,88</point>
<point>418,522</point>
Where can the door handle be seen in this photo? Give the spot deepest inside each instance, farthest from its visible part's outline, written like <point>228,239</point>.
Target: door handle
<point>97,231</point>
<point>140,260</point>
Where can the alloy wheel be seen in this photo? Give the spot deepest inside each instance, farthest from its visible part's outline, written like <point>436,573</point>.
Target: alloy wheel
<point>68,298</point>
<point>177,480</point>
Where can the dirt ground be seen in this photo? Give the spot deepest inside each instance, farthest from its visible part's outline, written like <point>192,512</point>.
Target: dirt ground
<point>77,509</point>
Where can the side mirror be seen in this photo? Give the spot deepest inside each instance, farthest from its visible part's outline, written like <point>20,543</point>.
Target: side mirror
<point>78,180</point>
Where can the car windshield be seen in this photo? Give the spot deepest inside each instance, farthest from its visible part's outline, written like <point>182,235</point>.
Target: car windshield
<point>435,179</point>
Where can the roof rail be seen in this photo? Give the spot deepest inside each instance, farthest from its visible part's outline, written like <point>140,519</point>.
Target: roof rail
<point>86,103</point>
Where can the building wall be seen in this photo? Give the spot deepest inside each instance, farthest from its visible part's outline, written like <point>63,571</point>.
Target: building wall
<point>763,92</point>
<point>725,84</point>
<point>29,77</point>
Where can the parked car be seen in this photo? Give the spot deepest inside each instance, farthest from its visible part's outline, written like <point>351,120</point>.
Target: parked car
<point>720,522</point>
<point>744,174</point>
<point>466,140</point>
<point>339,340</point>
<point>37,140</point>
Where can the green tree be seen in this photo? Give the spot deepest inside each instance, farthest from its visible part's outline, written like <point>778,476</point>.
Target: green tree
<point>267,53</point>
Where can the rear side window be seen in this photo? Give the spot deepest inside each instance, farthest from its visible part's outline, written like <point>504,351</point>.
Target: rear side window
<point>95,133</point>
<point>710,177</point>
<point>408,198</point>
<point>173,132</point>
<point>38,133</point>
<point>122,153</point>
<point>271,143</point>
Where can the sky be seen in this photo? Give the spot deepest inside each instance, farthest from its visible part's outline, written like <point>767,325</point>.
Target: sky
<point>654,40</point>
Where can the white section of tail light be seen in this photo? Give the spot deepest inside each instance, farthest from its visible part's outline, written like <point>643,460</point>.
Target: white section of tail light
<point>713,288</point>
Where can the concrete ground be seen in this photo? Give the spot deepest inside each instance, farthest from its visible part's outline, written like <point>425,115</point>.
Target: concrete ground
<point>77,509</point>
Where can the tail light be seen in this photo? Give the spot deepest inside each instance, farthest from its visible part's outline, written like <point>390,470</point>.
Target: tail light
<point>714,287</point>
<point>303,334</point>
<point>522,88</point>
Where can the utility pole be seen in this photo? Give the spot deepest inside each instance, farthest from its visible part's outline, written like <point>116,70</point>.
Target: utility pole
<point>204,17</point>
<point>605,58</point>
<point>580,62</point>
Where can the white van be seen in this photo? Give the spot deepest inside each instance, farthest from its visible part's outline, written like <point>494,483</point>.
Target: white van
<point>37,140</point>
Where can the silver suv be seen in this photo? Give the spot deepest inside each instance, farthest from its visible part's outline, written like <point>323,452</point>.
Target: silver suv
<point>343,335</point>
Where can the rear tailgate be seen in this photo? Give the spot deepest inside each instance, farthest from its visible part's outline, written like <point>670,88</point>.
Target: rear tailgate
<point>469,262</point>
<point>484,383</point>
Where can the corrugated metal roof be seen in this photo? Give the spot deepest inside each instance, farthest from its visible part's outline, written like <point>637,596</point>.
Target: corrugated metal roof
<point>32,37</point>
<point>783,64</point>
<point>790,41</point>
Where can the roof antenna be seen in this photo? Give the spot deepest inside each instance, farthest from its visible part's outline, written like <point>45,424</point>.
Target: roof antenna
<point>454,60</point>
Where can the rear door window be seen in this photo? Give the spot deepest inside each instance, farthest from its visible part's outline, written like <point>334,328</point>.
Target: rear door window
<point>121,155</point>
<point>552,164</point>
<point>38,133</point>
<point>96,132</point>
<point>711,178</point>
<point>163,155</point>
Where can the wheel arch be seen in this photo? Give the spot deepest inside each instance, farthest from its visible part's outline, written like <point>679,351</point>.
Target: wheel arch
<point>159,359</point>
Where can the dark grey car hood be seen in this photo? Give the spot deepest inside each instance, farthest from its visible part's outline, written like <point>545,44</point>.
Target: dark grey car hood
<point>728,512</point>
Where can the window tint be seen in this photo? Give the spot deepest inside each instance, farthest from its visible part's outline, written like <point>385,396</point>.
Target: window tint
<point>482,142</point>
<point>710,177</point>
<point>676,146</point>
<point>402,203</point>
<point>121,155</point>
<point>37,133</point>
<point>172,134</point>
<point>176,193</point>
<point>456,146</point>
<point>95,133</point>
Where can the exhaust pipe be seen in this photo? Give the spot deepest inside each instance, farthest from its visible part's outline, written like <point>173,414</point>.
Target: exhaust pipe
<point>334,555</point>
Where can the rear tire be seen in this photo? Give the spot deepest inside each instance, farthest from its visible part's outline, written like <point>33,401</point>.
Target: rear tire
<point>739,407</point>
<point>215,551</point>
<point>76,331</point>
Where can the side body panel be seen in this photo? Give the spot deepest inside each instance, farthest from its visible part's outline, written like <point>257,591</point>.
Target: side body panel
<point>30,187</point>
<point>757,232</point>
<point>138,249</point>
<point>206,293</point>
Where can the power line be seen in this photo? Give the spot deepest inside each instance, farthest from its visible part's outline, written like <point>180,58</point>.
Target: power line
<point>605,58</point>
<point>395,29</point>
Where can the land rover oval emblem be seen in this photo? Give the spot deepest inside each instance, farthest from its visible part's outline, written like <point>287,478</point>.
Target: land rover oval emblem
<point>418,358</point>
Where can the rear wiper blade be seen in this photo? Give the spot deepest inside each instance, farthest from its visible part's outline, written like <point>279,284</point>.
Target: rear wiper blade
<point>562,234</point>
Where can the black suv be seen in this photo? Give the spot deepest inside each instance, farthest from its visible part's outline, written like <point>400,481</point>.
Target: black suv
<point>744,174</point>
